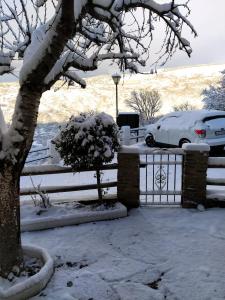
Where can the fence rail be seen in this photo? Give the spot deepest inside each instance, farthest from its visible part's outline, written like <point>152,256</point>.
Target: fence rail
<point>64,189</point>
<point>53,169</point>
<point>216,162</point>
<point>215,186</point>
<point>129,134</point>
<point>38,159</point>
<point>39,150</point>
<point>30,160</point>
<point>153,151</point>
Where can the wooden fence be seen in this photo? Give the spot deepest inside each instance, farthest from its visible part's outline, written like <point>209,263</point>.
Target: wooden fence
<point>216,195</point>
<point>195,186</point>
<point>54,169</point>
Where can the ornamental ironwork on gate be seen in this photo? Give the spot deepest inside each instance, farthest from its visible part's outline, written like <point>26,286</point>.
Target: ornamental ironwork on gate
<point>161,177</point>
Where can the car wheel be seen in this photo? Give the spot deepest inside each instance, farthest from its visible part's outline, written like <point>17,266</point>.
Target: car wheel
<point>184,141</point>
<point>150,142</point>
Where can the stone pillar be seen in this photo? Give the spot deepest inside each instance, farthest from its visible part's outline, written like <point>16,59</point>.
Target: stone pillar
<point>125,135</point>
<point>195,164</point>
<point>128,189</point>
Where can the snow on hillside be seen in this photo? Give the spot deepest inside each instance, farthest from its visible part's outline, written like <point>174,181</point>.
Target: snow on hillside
<point>175,85</point>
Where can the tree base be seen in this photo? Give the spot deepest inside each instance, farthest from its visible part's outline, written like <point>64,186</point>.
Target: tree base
<point>34,284</point>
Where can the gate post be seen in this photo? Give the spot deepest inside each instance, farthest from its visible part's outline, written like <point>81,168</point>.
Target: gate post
<point>128,188</point>
<point>195,164</point>
<point>125,135</point>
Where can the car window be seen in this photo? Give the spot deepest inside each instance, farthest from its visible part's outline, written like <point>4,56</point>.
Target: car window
<point>169,120</point>
<point>213,118</point>
<point>215,122</point>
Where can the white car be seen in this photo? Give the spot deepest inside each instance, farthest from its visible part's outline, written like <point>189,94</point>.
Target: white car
<point>196,126</point>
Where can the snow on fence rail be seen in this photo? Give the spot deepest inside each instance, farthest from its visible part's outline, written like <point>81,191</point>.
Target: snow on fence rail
<point>216,162</point>
<point>138,150</point>
<point>55,169</point>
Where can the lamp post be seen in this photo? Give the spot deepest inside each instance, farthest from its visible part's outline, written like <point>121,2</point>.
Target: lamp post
<point>116,78</point>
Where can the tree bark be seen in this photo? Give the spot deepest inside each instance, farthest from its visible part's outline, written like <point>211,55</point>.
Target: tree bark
<point>10,242</point>
<point>98,175</point>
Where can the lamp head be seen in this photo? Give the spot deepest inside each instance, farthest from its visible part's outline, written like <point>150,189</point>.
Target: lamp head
<point>116,78</point>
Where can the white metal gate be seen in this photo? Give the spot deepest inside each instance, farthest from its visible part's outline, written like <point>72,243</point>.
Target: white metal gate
<point>161,178</point>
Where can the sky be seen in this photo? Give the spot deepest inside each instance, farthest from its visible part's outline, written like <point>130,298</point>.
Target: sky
<point>208,18</point>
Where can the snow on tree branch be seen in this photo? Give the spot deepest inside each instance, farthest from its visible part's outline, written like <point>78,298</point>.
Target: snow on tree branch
<point>100,27</point>
<point>214,96</point>
<point>40,3</point>
<point>120,31</point>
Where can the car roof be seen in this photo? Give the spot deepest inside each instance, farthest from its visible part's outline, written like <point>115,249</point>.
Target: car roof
<point>199,114</point>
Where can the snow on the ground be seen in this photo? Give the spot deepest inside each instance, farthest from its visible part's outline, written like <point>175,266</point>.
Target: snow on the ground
<point>154,253</point>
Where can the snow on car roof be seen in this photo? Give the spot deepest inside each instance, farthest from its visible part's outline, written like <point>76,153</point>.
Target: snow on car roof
<point>196,114</point>
<point>185,119</point>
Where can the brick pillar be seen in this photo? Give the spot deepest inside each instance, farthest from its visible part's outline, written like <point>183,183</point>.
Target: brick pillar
<point>128,189</point>
<point>195,164</point>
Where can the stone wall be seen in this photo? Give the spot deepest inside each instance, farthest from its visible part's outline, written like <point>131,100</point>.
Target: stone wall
<point>195,164</point>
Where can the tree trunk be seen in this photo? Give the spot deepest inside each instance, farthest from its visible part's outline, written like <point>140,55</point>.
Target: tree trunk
<point>10,242</point>
<point>98,175</point>
<point>20,137</point>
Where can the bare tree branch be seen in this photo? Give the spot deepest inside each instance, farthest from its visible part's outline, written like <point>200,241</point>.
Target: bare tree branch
<point>146,102</point>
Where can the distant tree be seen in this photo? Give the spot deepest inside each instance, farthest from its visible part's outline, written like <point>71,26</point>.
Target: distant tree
<point>215,95</point>
<point>183,107</point>
<point>88,141</point>
<point>146,102</point>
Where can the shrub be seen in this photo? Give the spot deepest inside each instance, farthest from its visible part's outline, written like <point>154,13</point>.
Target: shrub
<point>88,142</point>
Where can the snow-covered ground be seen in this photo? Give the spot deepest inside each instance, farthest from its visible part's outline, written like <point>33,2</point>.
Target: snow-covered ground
<point>152,254</point>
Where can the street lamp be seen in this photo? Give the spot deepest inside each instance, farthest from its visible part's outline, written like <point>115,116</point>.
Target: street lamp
<point>116,78</point>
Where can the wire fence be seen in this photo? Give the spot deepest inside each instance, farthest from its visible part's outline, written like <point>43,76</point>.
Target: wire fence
<point>35,158</point>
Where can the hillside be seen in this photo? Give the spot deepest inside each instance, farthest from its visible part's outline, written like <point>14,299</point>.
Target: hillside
<point>175,86</point>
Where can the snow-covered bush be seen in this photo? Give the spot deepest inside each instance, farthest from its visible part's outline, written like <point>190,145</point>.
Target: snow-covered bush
<point>215,95</point>
<point>88,142</point>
